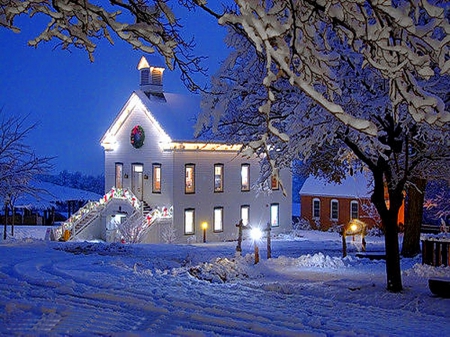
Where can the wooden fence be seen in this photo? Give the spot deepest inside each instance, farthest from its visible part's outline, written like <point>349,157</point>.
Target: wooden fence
<point>435,251</point>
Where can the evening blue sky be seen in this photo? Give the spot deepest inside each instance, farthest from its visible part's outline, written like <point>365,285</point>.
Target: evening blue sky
<point>75,101</point>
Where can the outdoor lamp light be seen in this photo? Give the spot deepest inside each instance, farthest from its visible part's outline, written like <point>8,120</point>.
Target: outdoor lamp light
<point>204,227</point>
<point>256,234</point>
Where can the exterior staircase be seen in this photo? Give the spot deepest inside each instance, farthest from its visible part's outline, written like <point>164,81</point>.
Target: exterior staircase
<point>89,213</point>
<point>135,228</point>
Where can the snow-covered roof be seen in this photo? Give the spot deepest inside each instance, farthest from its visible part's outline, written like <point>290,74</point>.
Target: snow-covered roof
<point>52,193</point>
<point>356,186</point>
<point>176,113</point>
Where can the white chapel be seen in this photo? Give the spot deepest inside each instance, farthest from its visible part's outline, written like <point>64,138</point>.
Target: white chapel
<point>184,190</point>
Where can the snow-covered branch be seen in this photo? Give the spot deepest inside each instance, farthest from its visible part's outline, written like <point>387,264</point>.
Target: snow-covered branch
<point>405,42</point>
<point>18,163</point>
<point>150,26</point>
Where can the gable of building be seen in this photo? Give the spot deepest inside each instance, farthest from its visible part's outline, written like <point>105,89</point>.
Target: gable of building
<point>356,186</point>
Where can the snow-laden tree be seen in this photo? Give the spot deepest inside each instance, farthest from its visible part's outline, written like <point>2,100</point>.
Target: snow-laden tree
<point>363,70</point>
<point>18,162</point>
<point>404,42</point>
<point>134,229</point>
<point>150,26</point>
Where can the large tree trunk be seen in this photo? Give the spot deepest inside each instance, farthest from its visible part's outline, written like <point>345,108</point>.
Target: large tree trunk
<point>413,218</point>
<point>393,271</point>
<point>389,217</point>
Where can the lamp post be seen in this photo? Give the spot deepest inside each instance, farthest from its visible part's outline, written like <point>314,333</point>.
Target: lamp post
<point>204,227</point>
<point>256,235</point>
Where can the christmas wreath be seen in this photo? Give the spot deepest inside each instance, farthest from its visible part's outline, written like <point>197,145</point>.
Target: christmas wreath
<point>137,136</point>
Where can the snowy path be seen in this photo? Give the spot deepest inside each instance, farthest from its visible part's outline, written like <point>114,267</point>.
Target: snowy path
<point>55,292</point>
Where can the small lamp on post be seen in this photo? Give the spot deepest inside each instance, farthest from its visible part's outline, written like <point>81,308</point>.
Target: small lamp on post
<point>204,227</point>
<point>256,235</point>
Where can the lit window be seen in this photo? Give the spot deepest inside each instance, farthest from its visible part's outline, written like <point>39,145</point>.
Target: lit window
<point>189,178</point>
<point>354,209</point>
<point>274,215</point>
<point>156,181</point>
<point>189,221</point>
<point>245,214</point>
<point>138,168</point>
<point>316,208</point>
<point>156,77</point>
<point>245,177</point>
<point>218,178</point>
<point>119,175</point>
<point>275,185</point>
<point>334,209</point>
<point>218,219</point>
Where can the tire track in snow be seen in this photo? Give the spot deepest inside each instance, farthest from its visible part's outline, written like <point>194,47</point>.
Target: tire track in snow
<point>77,300</point>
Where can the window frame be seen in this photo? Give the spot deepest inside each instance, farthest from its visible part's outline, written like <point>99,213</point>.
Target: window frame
<point>274,183</point>
<point>245,168</point>
<point>314,201</point>
<point>334,202</point>
<point>277,205</point>
<point>191,190</point>
<point>356,203</point>
<point>185,224</point>
<point>155,168</point>
<point>247,207</point>
<point>218,229</point>
<point>145,76</point>
<point>221,187</point>
<point>116,175</point>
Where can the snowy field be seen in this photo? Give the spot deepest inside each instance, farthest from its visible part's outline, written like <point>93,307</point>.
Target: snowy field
<point>307,288</point>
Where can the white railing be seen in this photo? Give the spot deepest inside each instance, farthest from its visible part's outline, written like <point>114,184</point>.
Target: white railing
<point>97,206</point>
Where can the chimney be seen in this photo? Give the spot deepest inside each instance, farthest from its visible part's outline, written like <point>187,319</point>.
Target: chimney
<point>151,77</point>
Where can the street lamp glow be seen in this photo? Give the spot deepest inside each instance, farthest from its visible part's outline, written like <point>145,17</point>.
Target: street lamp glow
<point>256,234</point>
<point>204,227</point>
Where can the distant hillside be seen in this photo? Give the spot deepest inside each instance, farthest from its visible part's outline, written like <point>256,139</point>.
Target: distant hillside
<point>77,180</point>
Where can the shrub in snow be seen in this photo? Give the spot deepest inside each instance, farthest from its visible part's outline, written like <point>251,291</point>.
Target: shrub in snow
<point>192,239</point>
<point>224,270</point>
<point>375,231</point>
<point>302,224</point>
<point>134,229</point>
<point>168,234</point>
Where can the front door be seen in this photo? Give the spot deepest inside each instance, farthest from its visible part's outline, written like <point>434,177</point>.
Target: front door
<point>137,181</point>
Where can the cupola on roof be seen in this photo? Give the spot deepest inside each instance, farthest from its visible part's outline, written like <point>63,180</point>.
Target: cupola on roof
<point>151,73</point>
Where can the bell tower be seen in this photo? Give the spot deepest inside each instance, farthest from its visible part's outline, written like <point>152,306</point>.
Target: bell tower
<point>151,77</point>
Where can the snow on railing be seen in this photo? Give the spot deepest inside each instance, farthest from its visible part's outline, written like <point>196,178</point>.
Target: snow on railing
<point>97,206</point>
<point>163,212</point>
<point>135,227</point>
<point>121,193</point>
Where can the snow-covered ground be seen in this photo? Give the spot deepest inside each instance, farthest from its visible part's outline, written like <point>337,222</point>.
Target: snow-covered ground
<point>80,288</point>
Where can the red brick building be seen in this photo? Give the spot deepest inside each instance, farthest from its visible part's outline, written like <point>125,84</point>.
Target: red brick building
<point>326,204</point>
